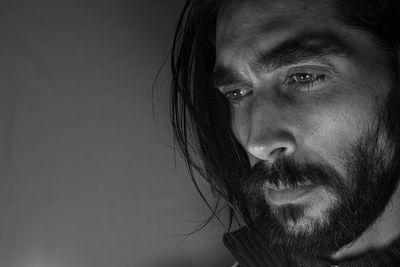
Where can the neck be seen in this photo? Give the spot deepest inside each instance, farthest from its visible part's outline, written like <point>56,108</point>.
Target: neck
<point>380,235</point>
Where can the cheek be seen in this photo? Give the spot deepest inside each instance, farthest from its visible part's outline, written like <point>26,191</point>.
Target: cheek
<point>240,126</point>
<point>335,128</point>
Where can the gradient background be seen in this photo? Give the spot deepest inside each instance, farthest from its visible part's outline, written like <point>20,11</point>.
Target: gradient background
<point>86,178</point>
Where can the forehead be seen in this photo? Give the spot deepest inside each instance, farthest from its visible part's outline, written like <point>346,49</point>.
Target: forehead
<point>263,23</point>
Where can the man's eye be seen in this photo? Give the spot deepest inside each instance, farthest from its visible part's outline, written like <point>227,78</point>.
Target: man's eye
<point>237,94</point>
<point>305,80</point>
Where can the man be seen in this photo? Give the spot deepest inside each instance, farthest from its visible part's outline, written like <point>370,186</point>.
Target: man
<point>290,110</point>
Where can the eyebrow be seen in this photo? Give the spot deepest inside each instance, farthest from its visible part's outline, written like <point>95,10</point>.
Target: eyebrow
<point>302,48</point>
<point>224,77</point>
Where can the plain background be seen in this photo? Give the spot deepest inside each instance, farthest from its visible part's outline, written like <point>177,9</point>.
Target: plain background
<point>87,179</point>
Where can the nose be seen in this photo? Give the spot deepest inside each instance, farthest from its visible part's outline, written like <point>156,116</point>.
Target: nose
<point>269,135</point>
<point>271,145</point>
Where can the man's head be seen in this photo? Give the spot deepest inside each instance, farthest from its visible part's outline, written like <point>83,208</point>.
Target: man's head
<point>292,108</point>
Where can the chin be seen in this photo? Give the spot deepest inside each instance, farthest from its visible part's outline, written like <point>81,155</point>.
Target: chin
<point>306,216</point>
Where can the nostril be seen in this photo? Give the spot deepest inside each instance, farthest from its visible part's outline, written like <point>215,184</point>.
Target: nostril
<point>279,152</point>
<point>272,149</point>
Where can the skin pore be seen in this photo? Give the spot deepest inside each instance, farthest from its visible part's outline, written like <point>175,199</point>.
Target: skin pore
<point>303,86</point>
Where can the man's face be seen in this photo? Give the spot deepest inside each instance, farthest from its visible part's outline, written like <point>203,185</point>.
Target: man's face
<point>307,100</point>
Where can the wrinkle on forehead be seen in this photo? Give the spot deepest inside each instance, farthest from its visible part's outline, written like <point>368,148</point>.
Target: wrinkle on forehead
<point>240,18</point>
<point>245,10</point>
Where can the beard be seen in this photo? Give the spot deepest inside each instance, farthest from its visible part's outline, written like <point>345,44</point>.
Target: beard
<point>358,198</point>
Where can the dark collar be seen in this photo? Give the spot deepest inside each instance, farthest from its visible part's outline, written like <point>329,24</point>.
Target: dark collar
<point>251,250</point>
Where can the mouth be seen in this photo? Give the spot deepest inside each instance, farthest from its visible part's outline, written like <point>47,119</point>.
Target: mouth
<point>284,194</point>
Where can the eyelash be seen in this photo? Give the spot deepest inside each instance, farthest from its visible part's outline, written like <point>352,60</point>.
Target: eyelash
<point>244,92</point>
<point>292,79</point>
<point>307,85</point>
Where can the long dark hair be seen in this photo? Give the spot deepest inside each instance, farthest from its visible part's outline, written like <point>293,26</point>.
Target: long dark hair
<point>200,115</point>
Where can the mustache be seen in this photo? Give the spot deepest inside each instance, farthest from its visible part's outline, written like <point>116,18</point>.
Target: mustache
<point>289,173</point>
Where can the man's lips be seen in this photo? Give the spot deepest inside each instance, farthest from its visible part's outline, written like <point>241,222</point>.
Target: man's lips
<point>281,194</point>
